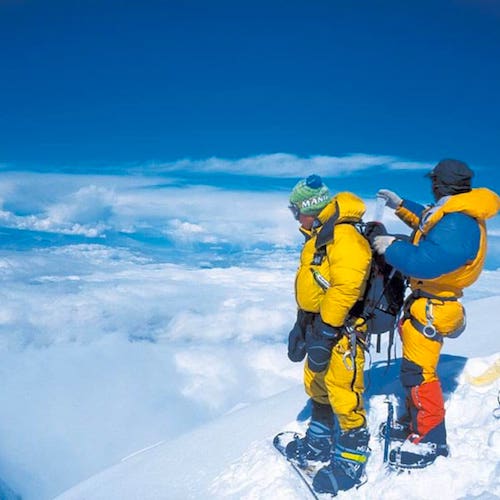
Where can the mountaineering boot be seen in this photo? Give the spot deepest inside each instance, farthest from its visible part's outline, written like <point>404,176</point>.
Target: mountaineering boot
<point>316,445</point>
<point>418,452</point>
<point>347,465</point>
<point>398,431</point>
<point>416,456</point>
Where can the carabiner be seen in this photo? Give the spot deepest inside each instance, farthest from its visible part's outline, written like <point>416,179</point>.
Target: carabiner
<point>429,330</point>
<point>348,354</point>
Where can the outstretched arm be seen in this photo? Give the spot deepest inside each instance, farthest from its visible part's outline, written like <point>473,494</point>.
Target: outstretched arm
<point>408,211</point>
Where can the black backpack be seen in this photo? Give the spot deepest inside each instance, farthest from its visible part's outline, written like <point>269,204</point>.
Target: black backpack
<point>385,290</point>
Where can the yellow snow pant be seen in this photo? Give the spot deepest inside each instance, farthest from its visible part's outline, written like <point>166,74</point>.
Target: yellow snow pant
<point>425,402</point>
<point>341,385</point>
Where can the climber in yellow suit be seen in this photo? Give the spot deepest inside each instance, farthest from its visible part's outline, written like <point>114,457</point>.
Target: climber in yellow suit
<point>331,277</point>
<point>445,254</point>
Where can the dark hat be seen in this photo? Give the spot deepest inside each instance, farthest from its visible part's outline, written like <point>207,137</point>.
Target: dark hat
<point>453,176</point>
<point>452,172</point>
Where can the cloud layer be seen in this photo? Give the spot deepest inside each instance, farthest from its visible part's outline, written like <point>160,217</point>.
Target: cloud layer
<point>135,307</point>
<point>290,166</point>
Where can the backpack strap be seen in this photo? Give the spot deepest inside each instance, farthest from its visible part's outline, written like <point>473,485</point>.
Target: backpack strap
<point>389,344</point>
<point>325,234</point>
<point>318,256</point>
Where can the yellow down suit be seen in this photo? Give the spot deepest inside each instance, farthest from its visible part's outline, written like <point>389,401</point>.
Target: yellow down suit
<point>345,265</point>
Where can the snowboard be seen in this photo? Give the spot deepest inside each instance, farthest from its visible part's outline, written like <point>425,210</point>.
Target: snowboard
<point>307,473</point>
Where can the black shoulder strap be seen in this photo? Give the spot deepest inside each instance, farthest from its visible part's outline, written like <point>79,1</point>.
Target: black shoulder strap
<point>319,255</point>
<point>325,235</point>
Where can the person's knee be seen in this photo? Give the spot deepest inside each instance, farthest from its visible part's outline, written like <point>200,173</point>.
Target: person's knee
<point>322,413</point>
<point>411,373</point>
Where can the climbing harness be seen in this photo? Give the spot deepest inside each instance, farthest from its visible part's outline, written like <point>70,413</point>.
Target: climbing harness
<point>427,329</point>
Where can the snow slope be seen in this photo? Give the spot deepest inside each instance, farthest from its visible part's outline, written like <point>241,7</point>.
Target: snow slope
<point>233,457</point>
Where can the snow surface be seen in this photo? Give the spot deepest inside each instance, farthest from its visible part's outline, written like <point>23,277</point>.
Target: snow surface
<point>143,346</point>
<point>233,457</point>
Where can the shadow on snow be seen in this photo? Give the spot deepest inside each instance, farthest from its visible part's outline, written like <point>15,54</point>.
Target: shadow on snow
<point>381,379</point>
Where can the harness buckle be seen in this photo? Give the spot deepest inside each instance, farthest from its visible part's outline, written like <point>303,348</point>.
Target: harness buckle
<point>429,331</point>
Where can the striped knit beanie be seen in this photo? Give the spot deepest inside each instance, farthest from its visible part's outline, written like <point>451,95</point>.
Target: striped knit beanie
<point>310,195</point>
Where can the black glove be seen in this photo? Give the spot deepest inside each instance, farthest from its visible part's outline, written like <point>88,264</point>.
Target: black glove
<point>320,344</point>
<point>297,338</point>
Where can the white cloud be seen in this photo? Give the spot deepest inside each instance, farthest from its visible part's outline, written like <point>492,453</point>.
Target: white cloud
<point>410,165</point>
<point>89,204</point>
<point>186,232</point>
<point>287,165</point>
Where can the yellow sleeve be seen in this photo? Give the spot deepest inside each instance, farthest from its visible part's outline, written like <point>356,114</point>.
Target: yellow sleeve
<point>408,217</point>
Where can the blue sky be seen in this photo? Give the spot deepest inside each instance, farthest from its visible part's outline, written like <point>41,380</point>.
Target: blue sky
<point>108,82</point>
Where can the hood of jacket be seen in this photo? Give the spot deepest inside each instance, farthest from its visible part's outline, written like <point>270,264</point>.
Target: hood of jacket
<point>480,203</point>
<point>345,207</point>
